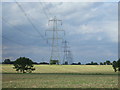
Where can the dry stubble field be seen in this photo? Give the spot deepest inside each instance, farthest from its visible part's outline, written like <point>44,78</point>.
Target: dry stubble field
<point>61,76</point>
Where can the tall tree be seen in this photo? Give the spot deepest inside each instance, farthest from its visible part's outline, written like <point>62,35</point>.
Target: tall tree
<point>118,64</point>
<point>114,65</point>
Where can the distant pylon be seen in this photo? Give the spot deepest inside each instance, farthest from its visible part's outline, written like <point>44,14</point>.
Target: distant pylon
<point>55,55</point>
<point>67,57</point>
<point>70,57</point>
<point>65,47</point>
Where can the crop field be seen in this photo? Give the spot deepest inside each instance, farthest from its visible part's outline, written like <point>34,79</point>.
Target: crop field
<point>61,76</point>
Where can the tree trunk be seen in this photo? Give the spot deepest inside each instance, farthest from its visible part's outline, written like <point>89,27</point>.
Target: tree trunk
<point>115,69</point>
<point>23,71</point>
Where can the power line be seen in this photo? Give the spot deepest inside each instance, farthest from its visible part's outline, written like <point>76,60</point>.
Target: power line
<point>54,38</point>
<point>16,28</point>
<point>30,20</point>
<point>44,10</point>
<point>3,36</point>
<point>12,40</point>
<point>55,9</point>
<point>47,9</point>
<point>67,53</point>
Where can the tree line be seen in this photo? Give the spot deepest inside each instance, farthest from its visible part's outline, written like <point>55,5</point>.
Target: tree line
<point>107,62</point>
<point>25,65</point>
<point>8,61</point>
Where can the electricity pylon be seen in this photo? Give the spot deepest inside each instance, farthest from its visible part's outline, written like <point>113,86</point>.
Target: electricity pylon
<point>70,57</point>
<point>67,57</point>
<point>55,55</point>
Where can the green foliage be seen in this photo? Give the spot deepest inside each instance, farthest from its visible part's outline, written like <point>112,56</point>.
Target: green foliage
<point>7,61</point>
<point>101,63</point>
<point>116,65</point>
<point>104,63</point>
<point>108,62</point>
<point>92,63</point>
<point>79,63</point>
<point>54,62</point>
<point>24,65</point>
<point>66,63</point>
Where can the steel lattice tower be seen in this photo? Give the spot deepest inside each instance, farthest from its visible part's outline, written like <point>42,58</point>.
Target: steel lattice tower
<point>70,57</point>
<point>55,55</point>
<point>67,57</point>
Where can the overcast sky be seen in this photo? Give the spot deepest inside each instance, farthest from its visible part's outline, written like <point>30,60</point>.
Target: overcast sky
<point>91,30</point>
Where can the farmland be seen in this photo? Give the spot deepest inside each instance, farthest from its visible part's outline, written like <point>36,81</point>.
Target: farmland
<point>61,76</point>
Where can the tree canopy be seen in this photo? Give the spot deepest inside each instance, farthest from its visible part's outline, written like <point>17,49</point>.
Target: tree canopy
<point>7,61</point>
<point>54,62</point>
<point>116,65</point>
<point>24,65</point>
